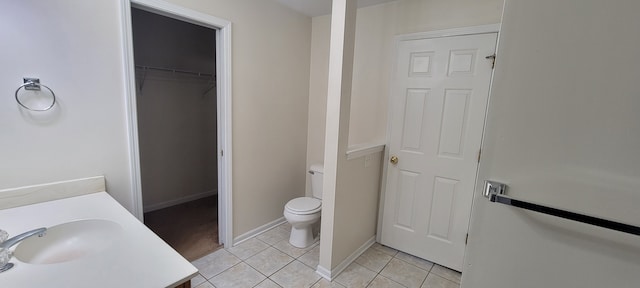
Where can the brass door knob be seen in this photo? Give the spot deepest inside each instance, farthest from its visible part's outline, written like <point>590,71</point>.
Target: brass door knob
<point>394,160</point>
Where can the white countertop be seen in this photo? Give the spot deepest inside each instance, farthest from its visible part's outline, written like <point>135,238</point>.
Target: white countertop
<point>140,259</point>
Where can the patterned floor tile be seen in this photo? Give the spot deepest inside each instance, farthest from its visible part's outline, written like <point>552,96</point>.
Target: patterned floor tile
<point>216,262</point>
<point>204,285</point>
<point>311,257</point>
<point>241,275</point>
<point>259,263</point>
<point>355,275</point>
<point>384,282</point>
<point>274,235</point>
<point>324,283</point>
<point>195,281</point>
<point>421,263</point>
<point>248,248</point>
<point>446,273</point>
<point>374,259</point>
<point>269,261</point>
<point>385,249</point>
<point>295,275</point>
<point>267,283</point>
<point>435,281</point>
<point>404,273</point>
<point>291,250</point>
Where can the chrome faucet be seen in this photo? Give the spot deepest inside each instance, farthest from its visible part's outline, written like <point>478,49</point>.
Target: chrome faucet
<point>17,239</point>
<point>6,254</point>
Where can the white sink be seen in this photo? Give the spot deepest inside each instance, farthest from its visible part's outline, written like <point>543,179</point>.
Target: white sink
<point>69,241</point>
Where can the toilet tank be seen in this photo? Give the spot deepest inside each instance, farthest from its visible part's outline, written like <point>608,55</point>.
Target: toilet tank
<point>317,173</point>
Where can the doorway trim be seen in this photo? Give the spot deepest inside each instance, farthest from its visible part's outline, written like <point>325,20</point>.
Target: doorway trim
<point>223,84</point>
<point>462,31</point>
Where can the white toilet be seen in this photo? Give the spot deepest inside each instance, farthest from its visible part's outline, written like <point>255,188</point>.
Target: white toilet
<point>303,212</point>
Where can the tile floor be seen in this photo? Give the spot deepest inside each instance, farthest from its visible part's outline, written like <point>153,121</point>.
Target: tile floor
<point>268,260</point>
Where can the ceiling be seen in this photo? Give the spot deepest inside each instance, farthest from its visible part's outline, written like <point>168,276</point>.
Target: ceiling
<point>322,7</point>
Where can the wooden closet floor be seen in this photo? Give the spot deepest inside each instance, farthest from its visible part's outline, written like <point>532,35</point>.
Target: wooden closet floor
<point>190,228</point>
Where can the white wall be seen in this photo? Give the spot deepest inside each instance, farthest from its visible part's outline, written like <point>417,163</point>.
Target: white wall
<point>341,50</point>
<point>271,45</point>
<point>74,47</point>
<point>563,130</point>
<point>176,112</point>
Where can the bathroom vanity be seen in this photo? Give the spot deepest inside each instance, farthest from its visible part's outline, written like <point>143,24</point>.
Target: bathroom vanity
<point>92,241</point>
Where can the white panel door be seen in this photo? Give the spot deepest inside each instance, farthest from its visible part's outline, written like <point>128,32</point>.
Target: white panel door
<point>439,100</point>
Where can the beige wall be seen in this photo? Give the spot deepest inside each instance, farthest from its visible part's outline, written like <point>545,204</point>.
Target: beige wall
<point>176,123</point>
<point>375,28</point>
<point>351,187</point>
<point>318,77</point>
<point>350,207</point>
<point>374,31</point>
<point>428,15</point>
<point>271,45</point>
<point>356,209</point>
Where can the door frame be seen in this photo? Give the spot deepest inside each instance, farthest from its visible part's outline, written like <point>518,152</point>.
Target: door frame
<point>463,31</point>
<point>224,101</point>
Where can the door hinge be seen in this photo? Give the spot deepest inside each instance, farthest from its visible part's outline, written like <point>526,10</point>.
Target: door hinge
<point>221,153</point>
<point>479,154</point>
<point>466,240</point>
<point>492,57</point>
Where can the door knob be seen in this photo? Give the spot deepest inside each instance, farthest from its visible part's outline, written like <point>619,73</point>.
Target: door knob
<point>394,160</point>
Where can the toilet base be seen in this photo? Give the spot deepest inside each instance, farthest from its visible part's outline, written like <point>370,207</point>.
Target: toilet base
<point>301,237</point>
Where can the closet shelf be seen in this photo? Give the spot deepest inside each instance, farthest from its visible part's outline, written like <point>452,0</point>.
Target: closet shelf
<point>201,74</point>
<point>211,78</point>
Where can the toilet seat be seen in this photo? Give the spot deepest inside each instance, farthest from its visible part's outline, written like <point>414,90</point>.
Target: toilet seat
<point>304,205</point>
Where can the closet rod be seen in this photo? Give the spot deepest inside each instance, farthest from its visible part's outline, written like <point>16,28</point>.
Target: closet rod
<point>174,71</point>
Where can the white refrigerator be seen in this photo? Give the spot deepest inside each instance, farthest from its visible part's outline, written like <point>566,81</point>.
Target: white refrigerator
<point>562,130</point>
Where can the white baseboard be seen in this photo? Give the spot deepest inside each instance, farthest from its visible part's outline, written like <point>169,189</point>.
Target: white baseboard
<point>258,231</point>
<point>324,272</point>
<point>180,200</point>
<point>332,274</point>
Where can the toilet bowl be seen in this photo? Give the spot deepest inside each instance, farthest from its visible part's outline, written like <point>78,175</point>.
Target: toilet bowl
<point>303,212</point>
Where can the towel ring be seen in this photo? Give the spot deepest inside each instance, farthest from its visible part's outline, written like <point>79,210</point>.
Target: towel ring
<point>34,84</point>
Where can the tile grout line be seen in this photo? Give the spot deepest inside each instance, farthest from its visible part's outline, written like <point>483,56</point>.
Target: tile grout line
<point>368,284</point>
<point>294,259</point>
<point>385,266</point>
<point>269,246</point>
<point>241,261</point>
<point>416,266</point>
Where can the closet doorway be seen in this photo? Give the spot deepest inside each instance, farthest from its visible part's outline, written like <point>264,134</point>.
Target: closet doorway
<point>176,100</point>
